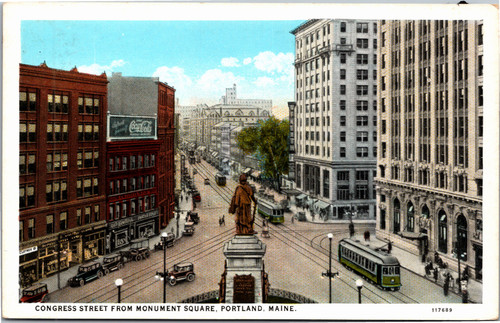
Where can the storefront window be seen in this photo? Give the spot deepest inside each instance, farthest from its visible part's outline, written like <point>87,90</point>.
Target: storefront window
<point>410,218</point>
<point>442,232</point>
<point>397,216</point>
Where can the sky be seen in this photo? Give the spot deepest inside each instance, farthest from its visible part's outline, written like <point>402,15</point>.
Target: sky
<point>200,59</point>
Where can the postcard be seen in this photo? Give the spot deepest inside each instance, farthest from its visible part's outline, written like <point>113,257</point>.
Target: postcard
<point>250,161</point>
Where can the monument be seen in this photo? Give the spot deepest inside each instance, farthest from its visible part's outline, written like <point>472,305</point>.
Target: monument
<point>244,279</point>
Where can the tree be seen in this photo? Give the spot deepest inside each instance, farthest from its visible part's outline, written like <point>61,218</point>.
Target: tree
<point>268,141</point>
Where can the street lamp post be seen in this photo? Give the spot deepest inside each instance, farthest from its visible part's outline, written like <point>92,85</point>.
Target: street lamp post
<point>119,283</point>
<point>359,284</point>
<point>329,273</point>
<point>162,275</point>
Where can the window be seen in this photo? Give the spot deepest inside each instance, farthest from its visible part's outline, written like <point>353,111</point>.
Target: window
<point>31,228</point>
<point>21,231</point>
<point>27,163</point>
<point>342,151</point>
<point>342,89</point>
<point>362,192</point>
<point>362,27</point>
<point>56,191</point>
<point>88,132</point>
<point>57,102</point>
<point>342,74</point>
<point>362,43</point>
<point>362,105</point>
<point>362,89</point>
<point>362,59</point>
<point>362,74</point>
<point>87,214</point>
<point>27,100</point>
<point>63,220</point>
<point>362,136</point>
<point>343,175</point>
<point>342,121</point>
<point>362,120</point>
<point>50,223</point>
<point>343,27</point>
<point>88,104</point>
<point>362,151</point>
<point>343,192</point>
<point>27,132</point>
<point>342,136</point>
<point>343,58</point>
<point>342,104</point>
<point>326,183</point>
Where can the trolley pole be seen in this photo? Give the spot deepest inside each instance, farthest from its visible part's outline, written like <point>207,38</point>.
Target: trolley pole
<point>329,273</point>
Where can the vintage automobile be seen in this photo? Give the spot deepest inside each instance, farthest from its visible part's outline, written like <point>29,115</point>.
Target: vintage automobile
<point>193,217</point>
<point>36,293</point>
<point>207,181</point>
<point>139,250</point>
<point>169,240</point>
<point>112,262</point>
<point>86,272</point>
<point>188,229</point>
<point>181,271</point>
<point>196,196</point>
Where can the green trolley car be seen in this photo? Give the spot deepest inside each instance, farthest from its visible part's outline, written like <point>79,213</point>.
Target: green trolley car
<point>380,268</point>
<point>270,210</point>
<point>220,179</point>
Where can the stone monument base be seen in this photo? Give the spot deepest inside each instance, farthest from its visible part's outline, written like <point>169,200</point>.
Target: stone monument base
<point>244,279</point>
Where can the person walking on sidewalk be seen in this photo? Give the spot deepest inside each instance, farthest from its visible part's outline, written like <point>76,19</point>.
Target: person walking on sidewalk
<point>389,247</point>
<point>351,229</point>
<point>446,286</point>
<point>436,272</point>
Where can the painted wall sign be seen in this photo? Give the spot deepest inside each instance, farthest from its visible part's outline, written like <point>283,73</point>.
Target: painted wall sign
<point>121,127</point>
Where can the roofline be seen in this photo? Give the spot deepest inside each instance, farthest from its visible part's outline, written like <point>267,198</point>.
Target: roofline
<point>304,25</point>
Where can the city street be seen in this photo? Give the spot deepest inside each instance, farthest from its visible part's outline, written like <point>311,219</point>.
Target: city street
<point>296,257</point>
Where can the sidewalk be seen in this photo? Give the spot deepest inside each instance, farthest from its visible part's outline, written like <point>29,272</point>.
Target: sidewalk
<point>52,285</point>
<point>414,264</point>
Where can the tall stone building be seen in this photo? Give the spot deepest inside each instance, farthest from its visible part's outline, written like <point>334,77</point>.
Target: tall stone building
<point>334,114</point>
<point>430,163</point>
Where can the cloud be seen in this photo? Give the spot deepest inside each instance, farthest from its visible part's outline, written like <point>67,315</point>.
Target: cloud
<point>174,76</point>
<point>216,81</point>
<point>230,62</point>
<point>264,81</point>
<point>247,61</point>
<point>99,69</point>
<point>271,62</point>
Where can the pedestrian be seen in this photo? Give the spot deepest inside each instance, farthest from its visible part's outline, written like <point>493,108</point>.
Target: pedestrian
<point>446,286</point>
<point>293,217</point>
<point>465,296</point>
<point>389,247</point>
<point>436,272</point>
<point>351,229</point>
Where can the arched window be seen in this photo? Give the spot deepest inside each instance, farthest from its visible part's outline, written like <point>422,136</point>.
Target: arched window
<point>397,216</point>
<point>442,232</point>
<point>265,114</point>
<point>462,237</point>
<point>410,218</point>
<point>425,215</point>
<point>226,114</point>
<point>251,114</point>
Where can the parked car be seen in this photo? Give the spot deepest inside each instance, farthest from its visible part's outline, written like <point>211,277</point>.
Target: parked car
<point>169,240</point>
<point>193,217</point>
<point>207,181</point>
<point>36,293</point>
<point>86,272</point>
<point>139,250</point>
<point>181,271</point>
<point>112,262</point>
<point>188,229</point>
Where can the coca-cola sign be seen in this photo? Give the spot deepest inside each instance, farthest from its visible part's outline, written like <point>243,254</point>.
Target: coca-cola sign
<point>129,127</point>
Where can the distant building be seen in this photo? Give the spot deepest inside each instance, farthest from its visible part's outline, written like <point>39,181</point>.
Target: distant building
<point>62,195</point>
<point>430,163</point>
<point>231,98</point>
<point>334,158</point>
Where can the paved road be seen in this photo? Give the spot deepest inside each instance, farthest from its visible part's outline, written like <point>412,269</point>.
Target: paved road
<point>297,254</point>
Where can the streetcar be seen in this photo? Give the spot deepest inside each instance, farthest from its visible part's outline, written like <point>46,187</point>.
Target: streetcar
<point>220,179</point>
<point>270,210</point>
<point>379,268</point>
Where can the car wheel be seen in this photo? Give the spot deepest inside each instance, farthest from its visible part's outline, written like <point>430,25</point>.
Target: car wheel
<point>172,281</point>
<point>120,266</point>
<point>100,274</point>
<point>190,277</point>
<point>106,271</point>
<point>138,258</point>
<point>82,282</point>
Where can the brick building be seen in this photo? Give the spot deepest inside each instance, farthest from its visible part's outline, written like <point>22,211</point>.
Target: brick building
<point>61,185</point>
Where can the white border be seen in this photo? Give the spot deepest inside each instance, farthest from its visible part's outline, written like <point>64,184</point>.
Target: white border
<point>15,12</point>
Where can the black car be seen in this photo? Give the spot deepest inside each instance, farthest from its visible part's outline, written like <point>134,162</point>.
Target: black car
<point>86,273</point>
<point>112,262</point>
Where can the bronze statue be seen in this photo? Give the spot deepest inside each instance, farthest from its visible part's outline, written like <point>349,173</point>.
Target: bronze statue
<point>241,204</point>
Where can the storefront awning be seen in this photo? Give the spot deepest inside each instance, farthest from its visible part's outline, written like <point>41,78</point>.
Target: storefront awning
<point>413,235</point>
<point>321,205</point>
<point>300,197</point>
